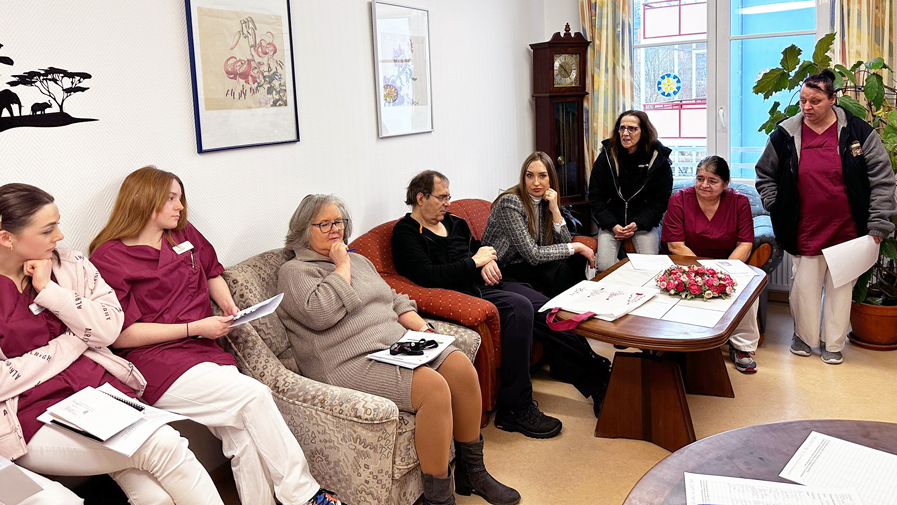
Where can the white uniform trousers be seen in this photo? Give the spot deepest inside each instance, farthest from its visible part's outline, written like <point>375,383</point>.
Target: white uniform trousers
<point>645,242</point>
<point>164,456</point>
<point>746,336</point>
<point>265,457</point>
<point>820,311</point>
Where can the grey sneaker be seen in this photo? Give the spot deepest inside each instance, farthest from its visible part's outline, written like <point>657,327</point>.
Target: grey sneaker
<point>832,358</point>
<point>799,347</point>
<point>744,363</point>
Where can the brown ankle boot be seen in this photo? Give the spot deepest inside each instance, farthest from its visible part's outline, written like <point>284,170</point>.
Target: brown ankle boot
<point>471,476</point>
<point>438,491</point>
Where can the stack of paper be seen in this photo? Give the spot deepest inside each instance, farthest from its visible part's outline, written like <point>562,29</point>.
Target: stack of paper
<point>414,361</point>
<point>108,416</point>
<point>608,301</point>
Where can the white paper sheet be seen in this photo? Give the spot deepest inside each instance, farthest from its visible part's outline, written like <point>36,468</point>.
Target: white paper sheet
<point>650,262</point>
<point>258,310</point>
<point>94,412</point>
<point>128,440</point>
<point>412,361</point>
<point>628,276</point>
<point>607,300</point>
<point>830,462</point>
<point>695,316</point>
<point>848,260</point>
<point>15,485</point>
<point>718,490</point>
<point>731,267</point>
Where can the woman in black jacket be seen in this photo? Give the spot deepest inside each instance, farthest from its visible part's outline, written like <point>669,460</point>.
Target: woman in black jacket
<point>631,183</point>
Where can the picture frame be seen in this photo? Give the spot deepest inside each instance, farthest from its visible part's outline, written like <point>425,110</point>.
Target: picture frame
<point>402,69</point>
<point>244,84</point>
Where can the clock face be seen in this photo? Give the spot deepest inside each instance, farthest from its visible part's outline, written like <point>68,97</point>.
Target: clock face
<point>566,70</point>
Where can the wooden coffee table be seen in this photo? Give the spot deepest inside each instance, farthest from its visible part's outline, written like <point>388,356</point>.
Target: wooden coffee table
<point>646,394</point>
<point>756,452</point>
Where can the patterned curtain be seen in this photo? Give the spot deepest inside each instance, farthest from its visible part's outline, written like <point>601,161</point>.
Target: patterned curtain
<point>866,29</point>
<point>608,24</point>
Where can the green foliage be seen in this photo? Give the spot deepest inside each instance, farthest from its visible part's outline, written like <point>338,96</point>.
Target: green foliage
<point>862,91</point>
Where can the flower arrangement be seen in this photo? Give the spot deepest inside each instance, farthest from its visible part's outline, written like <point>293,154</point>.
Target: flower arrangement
<point>695,282</point>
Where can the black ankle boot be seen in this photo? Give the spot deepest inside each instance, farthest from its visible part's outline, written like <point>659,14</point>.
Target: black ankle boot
<point>438,491</point>
<point>471,476</point>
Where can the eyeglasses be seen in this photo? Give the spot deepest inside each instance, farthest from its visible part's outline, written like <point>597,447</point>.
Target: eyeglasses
<point>441,198</point>
<point>326,226</point>
<point>412,348</point>
<point>630,129</point>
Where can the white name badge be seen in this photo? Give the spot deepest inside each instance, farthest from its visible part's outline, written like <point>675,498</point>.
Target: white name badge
<point>35,309</point>
<point>182,247</point>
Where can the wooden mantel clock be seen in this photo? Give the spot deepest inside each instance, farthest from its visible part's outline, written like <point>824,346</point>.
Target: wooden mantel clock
<point>559,87</point>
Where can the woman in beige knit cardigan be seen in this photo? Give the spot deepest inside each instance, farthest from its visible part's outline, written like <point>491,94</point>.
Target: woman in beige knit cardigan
<point>337,310</point>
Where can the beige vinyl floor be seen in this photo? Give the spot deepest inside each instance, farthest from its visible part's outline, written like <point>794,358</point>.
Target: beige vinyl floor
<point>576,467</point>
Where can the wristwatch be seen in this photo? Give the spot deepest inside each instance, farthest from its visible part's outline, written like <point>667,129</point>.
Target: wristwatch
<point>427,327</point>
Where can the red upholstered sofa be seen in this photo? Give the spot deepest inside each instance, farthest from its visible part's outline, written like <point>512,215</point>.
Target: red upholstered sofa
<point>475,313</point>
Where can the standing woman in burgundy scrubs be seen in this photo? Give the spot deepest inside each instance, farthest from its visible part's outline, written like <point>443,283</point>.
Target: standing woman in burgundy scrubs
<point>165,272</point>
<point>56,317</point>
<point>825,178</point>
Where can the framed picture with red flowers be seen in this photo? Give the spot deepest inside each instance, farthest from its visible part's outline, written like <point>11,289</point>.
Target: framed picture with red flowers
<point>244,85</point>
<point>402,67</point>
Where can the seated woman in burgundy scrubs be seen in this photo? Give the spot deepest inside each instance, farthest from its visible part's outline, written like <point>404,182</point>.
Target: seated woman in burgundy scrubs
<point>712,221</point>
<point>164,272</point>
<point>56,317</point>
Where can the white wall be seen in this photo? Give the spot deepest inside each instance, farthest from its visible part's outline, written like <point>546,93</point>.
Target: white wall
<point>242,199</point>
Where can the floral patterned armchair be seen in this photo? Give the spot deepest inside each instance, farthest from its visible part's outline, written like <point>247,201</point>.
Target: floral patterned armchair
<point>357,444</point>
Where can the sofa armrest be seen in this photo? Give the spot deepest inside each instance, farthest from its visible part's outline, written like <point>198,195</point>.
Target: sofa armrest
<point>255,359</point>
<point>591,242</point>
<point>467,340</point>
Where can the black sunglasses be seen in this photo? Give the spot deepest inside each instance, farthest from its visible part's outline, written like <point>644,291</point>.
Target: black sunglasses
<point>412,348</point>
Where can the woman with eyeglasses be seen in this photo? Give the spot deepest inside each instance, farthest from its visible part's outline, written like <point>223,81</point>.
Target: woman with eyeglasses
<point>337,310</point>
<point>165,274</point>
<point>529,234</point>
<point>629,188</point>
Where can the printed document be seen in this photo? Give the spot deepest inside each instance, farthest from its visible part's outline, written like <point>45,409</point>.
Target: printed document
<point>849,260</point>
<point>131,437</point>
<point>96,413</point>
<point>411,360</point>
<point>608,301</point>
<point>830,462</point>
<point>718,490</point>
<point>731,267</point>
<point>650,262</point>
<point>258,310</point>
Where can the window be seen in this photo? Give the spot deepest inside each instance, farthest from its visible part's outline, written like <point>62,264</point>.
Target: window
<point>691,80</point>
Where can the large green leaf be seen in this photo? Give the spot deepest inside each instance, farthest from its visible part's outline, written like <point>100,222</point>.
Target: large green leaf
<point>889,248</point>
<point>862,287</point>
<point>792,109</point>
<point>855,66</point>
<point>874,89</point>
<point>771,82</point>
<point>820,53</point>
<point>803,71</point>
<point>838,83</point>
<point>889,135</point>
<point>790,57</point>
<point>892,118</point>
<point>852,105</point>
<point>775,115</point>
<point>875,63</point>
<point>846,73</point>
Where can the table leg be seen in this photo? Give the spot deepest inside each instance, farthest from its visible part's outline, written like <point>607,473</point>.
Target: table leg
<point>706,374</point>
<point>646,401</point>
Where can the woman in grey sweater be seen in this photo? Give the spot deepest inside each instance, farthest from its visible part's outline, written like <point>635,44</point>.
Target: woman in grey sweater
<point>337,310</point>
<point>529,233</point>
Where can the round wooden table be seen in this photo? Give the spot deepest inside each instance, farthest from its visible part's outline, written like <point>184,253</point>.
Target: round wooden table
<point>756,452</point>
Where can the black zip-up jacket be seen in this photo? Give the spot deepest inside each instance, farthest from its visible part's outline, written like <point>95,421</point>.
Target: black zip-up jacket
<point>427,262</point>
<point>646,206</point>
<point>865,167</point>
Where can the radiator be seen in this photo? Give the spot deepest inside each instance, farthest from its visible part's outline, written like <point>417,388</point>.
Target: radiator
<point>780,280</point>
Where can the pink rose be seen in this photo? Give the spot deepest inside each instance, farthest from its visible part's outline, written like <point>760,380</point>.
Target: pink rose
<point>672,291</point>
<point>663,285</point>
<point>708,294</point>
<point>695,289</point>
<point>728,290</point>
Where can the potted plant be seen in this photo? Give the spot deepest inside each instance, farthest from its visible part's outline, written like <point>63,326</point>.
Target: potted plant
<point>863,92</point>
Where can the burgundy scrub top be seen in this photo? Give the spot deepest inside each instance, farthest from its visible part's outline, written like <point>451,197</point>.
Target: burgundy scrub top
<point>21,332</point>
<point>715,238</point>
<point>825,215</point>
<point>162,286</point>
